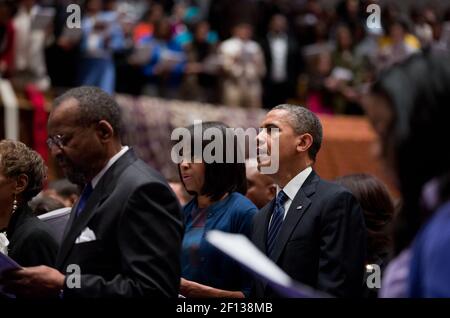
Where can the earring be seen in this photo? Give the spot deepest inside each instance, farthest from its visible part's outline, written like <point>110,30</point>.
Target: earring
<point>14,207</point>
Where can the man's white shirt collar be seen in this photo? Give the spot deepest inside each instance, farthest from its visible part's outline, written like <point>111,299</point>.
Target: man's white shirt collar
<point>293,186</point>
<point>111,161</point>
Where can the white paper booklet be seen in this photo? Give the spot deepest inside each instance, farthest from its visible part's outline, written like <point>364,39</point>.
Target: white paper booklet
<point>238,247</point>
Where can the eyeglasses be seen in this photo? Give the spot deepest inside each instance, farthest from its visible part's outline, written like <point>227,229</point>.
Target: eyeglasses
<point>57,140</point>
<point>61,140</point>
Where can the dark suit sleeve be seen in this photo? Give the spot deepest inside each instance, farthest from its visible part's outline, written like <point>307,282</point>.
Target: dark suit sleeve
<point>149,238</point>
<point>342,247</point>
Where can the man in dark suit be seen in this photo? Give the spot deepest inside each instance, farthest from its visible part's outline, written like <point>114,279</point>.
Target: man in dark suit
<point>124,234</point>
<point>283,63</point>
<point>314,229</point>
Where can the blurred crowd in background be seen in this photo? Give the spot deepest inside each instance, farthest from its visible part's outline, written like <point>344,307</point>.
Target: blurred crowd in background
<point>242,53</point>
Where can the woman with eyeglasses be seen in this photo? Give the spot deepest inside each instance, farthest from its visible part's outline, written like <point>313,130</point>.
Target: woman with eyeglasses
<point>22,173</point>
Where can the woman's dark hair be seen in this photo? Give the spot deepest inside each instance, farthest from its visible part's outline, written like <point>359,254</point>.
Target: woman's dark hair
<point>220,177</point>
<point>378,209</point>
<point>418,91</point>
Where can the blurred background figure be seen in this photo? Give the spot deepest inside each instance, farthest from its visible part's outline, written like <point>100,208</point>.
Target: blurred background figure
<point>397,44</point>
<point>53,205</point>
<point>202,70</point>
<point>22,173</point>
<point>261,188</point>
<point>146,27</point>
<point>408,109</point>
<point>166,64</point>
<point>29,45</point>
<point>62,53</point>
<point>7,36</point>
<point>423,22</point>
<point>64,191</point>
<point>59,194</point>
<point>140,18</point>
<point>441,34</point>
<point>345,75</point>
<point>102,35</point>
<point>318,96</point>
<point>283,62</point>
<point>218,204</point>
<point>378,209</point>
<point>243,68</point>
<point>42,204</point>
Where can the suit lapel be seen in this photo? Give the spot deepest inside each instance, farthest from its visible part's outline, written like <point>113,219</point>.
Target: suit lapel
<point>297,210</point>
<point>98,196</point>
<point>71,220</point>
<point>79,223</point>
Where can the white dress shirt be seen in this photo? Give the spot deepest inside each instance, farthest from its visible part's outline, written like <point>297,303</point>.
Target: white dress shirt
<point>111,161</point>
<point>278,49</point>
<point>292,188</point>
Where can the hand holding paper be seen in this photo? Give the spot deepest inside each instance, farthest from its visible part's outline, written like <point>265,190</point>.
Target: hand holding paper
<point>34,282</point>
<point>6,264</point>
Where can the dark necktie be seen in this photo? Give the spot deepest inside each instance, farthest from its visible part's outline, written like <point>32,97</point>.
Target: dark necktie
<point>83,198</point>
<point>277,220</point>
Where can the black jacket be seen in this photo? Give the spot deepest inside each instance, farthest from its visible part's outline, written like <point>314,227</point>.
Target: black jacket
<point>294,63</point>
<point>322,244</point>
<point>137,224</point>
<point>30,240</point>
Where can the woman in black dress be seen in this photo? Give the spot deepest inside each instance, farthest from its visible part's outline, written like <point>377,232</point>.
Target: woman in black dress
<point>22,172</point>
